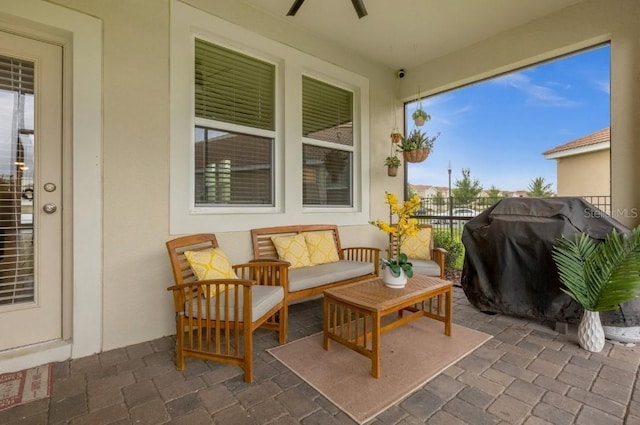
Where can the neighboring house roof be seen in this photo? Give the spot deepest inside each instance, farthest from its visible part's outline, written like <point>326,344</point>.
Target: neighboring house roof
<point>424,190</point>
<point>599,140</point>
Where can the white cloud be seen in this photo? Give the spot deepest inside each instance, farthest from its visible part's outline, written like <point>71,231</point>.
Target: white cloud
<point>539,95</point>
<point>603,85</point>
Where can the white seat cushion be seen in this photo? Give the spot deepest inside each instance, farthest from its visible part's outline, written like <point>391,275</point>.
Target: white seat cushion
<point>425,267</point>
<point>263,298</point>
<point>321,274</point>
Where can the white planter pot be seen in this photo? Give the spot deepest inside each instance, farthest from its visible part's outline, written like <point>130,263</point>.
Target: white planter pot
<point>590,332</point>
<point>392,281</point>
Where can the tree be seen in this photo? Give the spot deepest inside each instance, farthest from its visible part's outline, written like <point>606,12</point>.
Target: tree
<point>466,190</point>
<point>439,200</point>
<point>493,196</point>
<point>539,189</point>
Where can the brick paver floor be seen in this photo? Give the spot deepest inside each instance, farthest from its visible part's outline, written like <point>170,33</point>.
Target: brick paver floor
<point>526,374</point>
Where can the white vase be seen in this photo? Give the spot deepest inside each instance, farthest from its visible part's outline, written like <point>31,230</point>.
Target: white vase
<point>392,281</point>
<point>590,332</point>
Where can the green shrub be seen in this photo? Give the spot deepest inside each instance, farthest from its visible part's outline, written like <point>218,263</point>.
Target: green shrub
<point>455,250</point>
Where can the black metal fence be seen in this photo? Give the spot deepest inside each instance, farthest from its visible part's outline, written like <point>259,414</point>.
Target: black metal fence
<point>452,213</point>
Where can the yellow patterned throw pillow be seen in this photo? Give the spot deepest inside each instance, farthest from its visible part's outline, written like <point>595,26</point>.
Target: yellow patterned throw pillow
<point>321,246</point>
<point>210,264</point>
<point>418,246</point>
<point>292,249</point>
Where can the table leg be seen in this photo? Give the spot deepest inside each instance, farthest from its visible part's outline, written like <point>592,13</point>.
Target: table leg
<point>375,345</point>
<point>448,310</point>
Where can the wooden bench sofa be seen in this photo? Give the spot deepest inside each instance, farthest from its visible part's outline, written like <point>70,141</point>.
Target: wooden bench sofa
<point>354,264</point>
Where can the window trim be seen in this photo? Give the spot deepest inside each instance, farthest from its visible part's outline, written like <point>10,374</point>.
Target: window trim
<point>186,24</point>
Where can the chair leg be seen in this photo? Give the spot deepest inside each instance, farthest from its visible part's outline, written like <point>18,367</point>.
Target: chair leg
<point>284,320</point>
<point>180,362</point>
<point>248,353</point>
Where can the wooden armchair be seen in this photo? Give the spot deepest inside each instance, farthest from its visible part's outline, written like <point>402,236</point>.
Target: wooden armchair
<point>215,319</point>
<point>431,261</point>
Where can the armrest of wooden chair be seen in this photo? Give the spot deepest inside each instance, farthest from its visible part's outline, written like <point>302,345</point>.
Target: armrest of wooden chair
<point>268,272</point>
<point>439,256</point>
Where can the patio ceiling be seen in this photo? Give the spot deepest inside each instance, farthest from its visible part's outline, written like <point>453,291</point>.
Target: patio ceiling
<point>407,33</point>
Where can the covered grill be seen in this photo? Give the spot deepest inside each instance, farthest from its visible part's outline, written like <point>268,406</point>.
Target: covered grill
<point>508,264</point>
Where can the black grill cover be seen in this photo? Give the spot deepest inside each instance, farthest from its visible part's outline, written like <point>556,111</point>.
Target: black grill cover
<point>508,267</point>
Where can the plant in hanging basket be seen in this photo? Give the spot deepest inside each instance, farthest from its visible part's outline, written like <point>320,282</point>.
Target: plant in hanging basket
<point>420,117</point>
<point>417,155</point>
<point>417,146</point>
<point>396,136</point>
<point>392,163</point>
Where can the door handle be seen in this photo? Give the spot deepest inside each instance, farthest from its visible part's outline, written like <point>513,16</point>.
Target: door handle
<point>49,208</point>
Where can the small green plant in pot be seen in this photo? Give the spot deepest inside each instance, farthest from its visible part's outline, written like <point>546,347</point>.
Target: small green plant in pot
<point>392,163</point>
<point>420,117</point>
<point>599,277</point>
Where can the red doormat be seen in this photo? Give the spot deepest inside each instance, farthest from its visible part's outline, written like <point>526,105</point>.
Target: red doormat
<point>25,386</point>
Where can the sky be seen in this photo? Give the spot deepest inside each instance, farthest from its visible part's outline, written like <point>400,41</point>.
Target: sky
<point>499,128</point>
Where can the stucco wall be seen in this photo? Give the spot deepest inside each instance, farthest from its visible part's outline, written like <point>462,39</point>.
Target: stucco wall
<point>586,174</point>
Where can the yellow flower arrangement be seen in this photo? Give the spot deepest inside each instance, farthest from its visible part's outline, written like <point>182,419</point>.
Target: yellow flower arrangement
<point>405,226</point>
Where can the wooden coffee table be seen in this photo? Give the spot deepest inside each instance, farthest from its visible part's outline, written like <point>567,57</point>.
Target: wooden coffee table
<point>353,314</point>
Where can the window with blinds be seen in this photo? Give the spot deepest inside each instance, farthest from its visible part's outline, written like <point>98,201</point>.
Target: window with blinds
<point>233,90</point>
<point>233,87</point>
<point>16,180</point>
<point>327,152</point>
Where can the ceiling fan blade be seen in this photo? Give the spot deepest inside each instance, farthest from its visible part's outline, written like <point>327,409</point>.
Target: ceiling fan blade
<point>294,7</point>
<point>358,5</point>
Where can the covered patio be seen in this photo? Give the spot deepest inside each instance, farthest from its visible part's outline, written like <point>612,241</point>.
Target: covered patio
<point>127,172</point>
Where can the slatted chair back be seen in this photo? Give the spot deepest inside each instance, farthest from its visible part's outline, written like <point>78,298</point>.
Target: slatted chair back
<point>393,241</point>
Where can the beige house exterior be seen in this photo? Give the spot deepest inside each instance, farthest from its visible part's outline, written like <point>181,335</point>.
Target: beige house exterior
<point>127,126</point>
<point>584,165</point>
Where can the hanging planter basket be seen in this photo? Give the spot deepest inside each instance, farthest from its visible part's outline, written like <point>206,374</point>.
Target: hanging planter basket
<point>417,155</point>
<point>392,171</point>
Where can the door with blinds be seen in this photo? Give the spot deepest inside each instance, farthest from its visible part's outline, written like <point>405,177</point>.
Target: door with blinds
<point>30,191</point>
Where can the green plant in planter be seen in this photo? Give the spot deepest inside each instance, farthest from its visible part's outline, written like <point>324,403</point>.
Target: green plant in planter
<point>599,277</point>
<point>419,113</point>
<point>392,161</point>
<point>417,140</point>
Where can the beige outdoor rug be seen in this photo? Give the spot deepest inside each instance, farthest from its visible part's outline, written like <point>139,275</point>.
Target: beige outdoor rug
<point>411,355</point>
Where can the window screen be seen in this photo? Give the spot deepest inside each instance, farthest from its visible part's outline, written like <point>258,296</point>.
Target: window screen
<point>232,169</point>
<point>327,117</point>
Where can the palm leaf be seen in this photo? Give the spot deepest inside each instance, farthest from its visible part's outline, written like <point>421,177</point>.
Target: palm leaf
<point>599,277</point>
<point>570,257</point>
<point>618,262</point>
